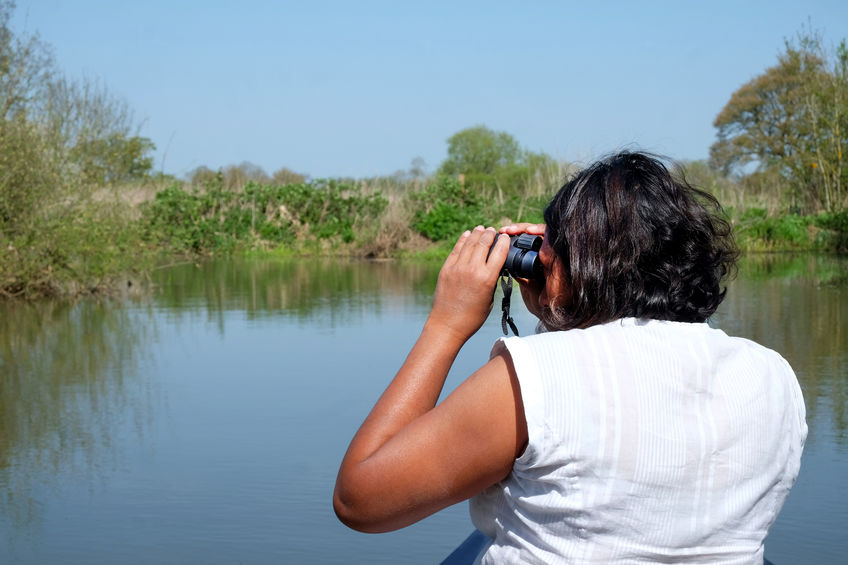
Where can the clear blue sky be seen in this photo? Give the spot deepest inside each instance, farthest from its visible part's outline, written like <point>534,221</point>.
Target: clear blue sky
<point>360,88</point>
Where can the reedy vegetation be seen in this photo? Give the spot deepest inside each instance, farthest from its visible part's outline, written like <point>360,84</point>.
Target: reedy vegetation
<point>81,211</point>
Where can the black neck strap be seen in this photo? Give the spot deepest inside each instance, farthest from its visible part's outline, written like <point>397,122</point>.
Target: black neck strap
<point>506,319</point>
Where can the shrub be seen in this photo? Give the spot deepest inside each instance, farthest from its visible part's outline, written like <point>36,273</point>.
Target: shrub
<point>835,230</point>
<point>214,219</point>
<point>445,209</point>
<point>784,232</point>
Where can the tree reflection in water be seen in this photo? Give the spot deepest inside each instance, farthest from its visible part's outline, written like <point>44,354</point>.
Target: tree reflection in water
<point>327,290</point>
<point>68,380</point>
<point>796,305</point>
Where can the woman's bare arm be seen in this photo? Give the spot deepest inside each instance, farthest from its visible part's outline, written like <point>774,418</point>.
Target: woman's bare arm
<point>411,458</point>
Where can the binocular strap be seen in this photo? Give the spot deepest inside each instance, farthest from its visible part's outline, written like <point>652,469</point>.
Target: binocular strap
<point>506,319</point>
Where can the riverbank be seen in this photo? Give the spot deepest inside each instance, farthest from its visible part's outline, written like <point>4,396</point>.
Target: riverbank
<point>109,242</point>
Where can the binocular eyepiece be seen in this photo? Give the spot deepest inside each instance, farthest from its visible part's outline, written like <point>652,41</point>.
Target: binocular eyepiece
<point>523,258</point>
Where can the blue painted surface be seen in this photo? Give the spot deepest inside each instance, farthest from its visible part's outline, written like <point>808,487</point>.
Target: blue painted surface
<point>468,550</point>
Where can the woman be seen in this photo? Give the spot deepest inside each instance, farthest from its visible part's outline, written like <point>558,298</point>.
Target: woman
<point>629,431</point>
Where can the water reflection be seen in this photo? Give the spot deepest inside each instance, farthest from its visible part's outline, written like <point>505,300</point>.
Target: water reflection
<point>66,383</point>
<point>796,305</point>
<point>232,355</point>
<point>331,289</point>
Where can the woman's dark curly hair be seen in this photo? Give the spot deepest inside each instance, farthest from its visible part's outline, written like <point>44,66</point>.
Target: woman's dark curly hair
<point>635,241</point>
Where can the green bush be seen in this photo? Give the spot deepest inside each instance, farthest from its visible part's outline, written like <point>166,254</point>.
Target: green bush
<point>61,141</point>
<point>28,177</point>
<point>836,221</point>
<point>753,214</point>
<point>445,209</point>
<point>329,208</point>
<point>215,219</point>
<point>782,232</point>
<point>834,235</point>
<point>88,250</point>
<point>446,221</point>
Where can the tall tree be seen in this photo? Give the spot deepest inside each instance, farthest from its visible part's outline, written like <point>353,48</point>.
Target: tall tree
<point>791,120</point>
<point>493,163</point>
<point>827,107</point>
<point>480,150</point>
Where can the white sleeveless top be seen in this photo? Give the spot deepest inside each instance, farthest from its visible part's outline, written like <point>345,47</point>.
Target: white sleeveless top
<point>649,442</point>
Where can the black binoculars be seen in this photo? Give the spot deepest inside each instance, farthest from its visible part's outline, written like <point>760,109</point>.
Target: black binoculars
<point>523,258</point>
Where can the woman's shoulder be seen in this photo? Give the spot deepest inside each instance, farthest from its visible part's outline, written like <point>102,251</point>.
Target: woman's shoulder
<point>629,327</point>
<point>640,334</point>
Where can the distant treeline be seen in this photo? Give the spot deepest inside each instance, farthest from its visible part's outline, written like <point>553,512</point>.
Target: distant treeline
<point>81,210</point>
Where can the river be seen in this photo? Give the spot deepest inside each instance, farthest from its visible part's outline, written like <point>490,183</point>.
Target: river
<point>204,422</point>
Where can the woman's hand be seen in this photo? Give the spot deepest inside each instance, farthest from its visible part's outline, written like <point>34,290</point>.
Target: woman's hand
<point>466,284</point>
<point>530,289</point>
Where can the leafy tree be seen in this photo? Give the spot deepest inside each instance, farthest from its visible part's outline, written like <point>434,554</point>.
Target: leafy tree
<point>791,120</point>
<point>827,106</point>
<point>59,140</point>
<point>480,150</point>
<point>493,163</point>
<point>27,178</point>
<point>116,158</point>
<point>87,132</point>
<point>95,130</point>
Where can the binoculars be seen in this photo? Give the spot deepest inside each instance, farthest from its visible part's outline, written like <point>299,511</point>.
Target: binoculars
<point>523,258</point>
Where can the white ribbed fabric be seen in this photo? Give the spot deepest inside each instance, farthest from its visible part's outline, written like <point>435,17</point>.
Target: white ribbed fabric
<point>649,442</point>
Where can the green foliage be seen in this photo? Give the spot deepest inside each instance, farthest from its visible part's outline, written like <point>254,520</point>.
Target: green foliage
<point>215,219</point>
<point>835,231</point>
<point>27,177</point>
<point>115,158</point>
<point>444,221</point>
<point>494,164</point>
<point>93,130</point>
<point>89,249</point>
<point>175,220</point>
<point>445,209</point>
<point>756,230</point>
<point>54,238</point>
<point>480,150</point>
<point>517,186</point>
<point>837,221</point>
<point>60,141</point>
<point>780,147</point>
<point>791,121</point>
<point>752,215</point>
<point>788,230</point>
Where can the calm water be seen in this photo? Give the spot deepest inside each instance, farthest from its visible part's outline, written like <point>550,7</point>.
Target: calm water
<point>205,423</point>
